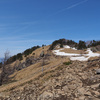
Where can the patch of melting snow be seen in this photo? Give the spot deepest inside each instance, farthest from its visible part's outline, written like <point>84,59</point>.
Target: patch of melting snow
<point>68,47</point>
<point>82,58</point>
<point>73,56</point>
<point>57,52</point>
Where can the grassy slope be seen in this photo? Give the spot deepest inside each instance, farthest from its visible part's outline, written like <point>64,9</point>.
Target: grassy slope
<point>22,77</point>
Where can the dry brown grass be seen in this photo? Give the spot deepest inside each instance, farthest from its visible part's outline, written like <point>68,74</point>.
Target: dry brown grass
<point>67,50</point>
<point>33,72</point>
<point>92,58</point>
<point>98,52</point>
<point>24,76</point>
<point>38,51</point>
<point>37,54</point>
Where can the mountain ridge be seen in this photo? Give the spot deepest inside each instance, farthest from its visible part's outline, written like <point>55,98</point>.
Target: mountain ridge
<point>40,74</point>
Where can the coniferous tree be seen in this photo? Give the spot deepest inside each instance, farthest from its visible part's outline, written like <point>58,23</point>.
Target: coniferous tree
<point>81,45</point>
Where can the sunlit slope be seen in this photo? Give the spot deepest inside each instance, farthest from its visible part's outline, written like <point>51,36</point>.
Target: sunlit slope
<point>22,77</point>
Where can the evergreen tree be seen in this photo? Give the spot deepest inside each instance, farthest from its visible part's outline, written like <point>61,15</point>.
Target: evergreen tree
<point>61,45</point>
<point>81,45</point>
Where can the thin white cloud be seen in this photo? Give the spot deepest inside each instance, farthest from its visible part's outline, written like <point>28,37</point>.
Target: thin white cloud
<point>16,27</point>
<point>72,6</point>
<point>20,40</point>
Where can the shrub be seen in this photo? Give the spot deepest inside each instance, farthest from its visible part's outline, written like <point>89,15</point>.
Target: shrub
<point>94,43</point>
<point>81,45</point>
<point>30,50</point>
<point>61,45</point>
<point>19,56</point>
<point>62,42</point>
<point>67,63</point>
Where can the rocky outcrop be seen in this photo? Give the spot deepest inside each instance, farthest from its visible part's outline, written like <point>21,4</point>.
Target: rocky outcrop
<point>77,81</point>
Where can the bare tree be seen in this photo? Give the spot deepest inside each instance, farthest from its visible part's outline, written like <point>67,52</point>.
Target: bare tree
<point>4,61</point>
<point>6,56</point>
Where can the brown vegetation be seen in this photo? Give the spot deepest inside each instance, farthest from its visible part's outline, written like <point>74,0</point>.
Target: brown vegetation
<point>60,78</point>
<point>66,50</point>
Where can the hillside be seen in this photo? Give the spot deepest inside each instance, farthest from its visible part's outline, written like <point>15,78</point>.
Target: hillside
<point>61,74</point>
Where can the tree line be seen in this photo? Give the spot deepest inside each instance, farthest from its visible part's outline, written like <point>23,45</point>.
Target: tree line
<point>19,56</point>
<point>78,45</point>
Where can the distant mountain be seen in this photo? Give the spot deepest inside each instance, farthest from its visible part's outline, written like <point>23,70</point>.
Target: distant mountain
<point>28,75</point>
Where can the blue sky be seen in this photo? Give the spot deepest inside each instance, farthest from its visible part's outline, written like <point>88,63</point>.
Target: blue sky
<point>25,23</point>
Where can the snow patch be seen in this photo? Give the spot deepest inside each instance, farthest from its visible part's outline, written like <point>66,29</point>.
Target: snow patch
<point>82,58</point>
<point>57,52</point>
<point>73,56</point>
<point>68,47</point>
